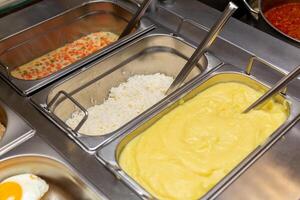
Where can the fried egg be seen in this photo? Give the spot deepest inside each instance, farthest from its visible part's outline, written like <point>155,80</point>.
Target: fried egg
<point>23,187</point>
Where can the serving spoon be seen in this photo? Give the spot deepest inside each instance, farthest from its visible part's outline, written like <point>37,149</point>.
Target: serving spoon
<point>275,89</point>
<point>136,18</point>
<point>204,45</point>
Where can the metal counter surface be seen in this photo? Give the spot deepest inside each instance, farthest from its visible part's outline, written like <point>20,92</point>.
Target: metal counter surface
<point>242,35</point>
<point>274,176</point>
<point>37,157</point>
<point>85,164</point>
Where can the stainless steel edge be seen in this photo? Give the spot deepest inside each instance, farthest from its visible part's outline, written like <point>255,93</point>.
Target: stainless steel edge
<point>17,130</point>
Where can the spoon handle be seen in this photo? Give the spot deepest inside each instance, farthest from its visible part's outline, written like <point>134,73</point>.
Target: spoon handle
<point>137,16</point>
<point>204,45</point>
<point>275,89</point>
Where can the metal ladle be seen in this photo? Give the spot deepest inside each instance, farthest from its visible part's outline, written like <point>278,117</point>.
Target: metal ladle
<point>136,18</point>
<point>204,45</point>
<point>275,89</point>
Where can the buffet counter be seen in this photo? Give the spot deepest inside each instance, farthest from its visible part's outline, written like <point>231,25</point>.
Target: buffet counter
<point>166,35</point>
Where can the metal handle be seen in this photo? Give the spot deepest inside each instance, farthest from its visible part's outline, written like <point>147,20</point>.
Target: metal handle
<point>251,10</point>
<point>204,45</point>
<point>274,90</point>
<point>85,112</point>
<point>5,69</point>
<point>137,16</point>
<point>257,59</point>
<point>136,2</point>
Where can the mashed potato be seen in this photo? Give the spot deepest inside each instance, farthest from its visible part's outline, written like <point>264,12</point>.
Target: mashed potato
<point>190,149</point>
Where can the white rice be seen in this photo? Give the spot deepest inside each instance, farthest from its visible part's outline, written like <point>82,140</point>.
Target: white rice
<point>124,103</point>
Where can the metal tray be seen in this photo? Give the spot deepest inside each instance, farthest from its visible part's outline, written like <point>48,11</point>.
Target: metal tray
<point>38,158</point>
<point>17,129</point>
<point>66,27</point>
<point>109,154</point>
<point>148,55</point>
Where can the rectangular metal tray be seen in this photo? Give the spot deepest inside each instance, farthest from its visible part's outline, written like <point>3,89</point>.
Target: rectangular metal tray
<point>66,27</point>
<point>109,153</point>
<point>17,129</point>
<point>150,54</point>
<point>36,157</point>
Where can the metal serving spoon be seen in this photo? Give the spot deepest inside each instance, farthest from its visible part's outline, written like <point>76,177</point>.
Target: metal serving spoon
<point>136,18</point>
<point>204,45</point>
<point>275,89</point>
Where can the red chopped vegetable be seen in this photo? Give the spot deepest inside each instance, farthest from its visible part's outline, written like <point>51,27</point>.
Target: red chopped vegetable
<point>64,56</point>
<point>286,18</point>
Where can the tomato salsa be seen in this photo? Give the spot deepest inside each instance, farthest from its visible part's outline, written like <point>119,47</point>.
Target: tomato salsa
<point>286,18</point>
<point>63,56</point>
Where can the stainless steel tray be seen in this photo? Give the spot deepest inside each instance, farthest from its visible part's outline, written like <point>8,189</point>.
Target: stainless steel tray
<point>66,27</point>
<point>38,158</point>
<point>109,153</point>
<point>17,129</point>
<point>158,53</point>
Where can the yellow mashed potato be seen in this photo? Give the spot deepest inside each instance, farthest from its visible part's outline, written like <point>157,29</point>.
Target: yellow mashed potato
<point>194,146</point>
